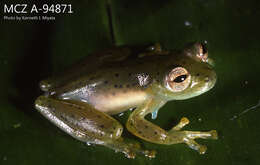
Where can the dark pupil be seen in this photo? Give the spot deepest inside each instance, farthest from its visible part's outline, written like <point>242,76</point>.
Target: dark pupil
<point>180,78</point>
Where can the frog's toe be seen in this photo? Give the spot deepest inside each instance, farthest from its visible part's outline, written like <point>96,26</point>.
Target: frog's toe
<point>130,154</point>
<point>203,135</point>
<point>214,134</point>
<point>194,145</point>
<point>136,148</point>
<point>202,149</point>
<point>183,122</point>
<point>150,154</point>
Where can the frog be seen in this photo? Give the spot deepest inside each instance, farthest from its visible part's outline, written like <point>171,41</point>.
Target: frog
<point>82,100</point>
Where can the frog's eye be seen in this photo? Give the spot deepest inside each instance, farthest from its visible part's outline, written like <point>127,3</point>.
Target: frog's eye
<point>178,79</point>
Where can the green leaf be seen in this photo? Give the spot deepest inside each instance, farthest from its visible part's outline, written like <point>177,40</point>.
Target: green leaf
<point>33,50</point>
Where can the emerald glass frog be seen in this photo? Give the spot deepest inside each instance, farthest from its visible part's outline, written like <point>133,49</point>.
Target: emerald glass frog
<point>82,100</point>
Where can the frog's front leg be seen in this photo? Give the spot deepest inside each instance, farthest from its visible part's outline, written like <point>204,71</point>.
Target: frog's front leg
<point>87,124</point>
<point>152,133</point>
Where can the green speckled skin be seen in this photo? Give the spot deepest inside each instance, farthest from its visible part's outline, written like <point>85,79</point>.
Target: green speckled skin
<point>81,100</point>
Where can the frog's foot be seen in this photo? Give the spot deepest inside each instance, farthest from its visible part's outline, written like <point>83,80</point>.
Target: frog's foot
<point>189,136</point>
<point>130,149</point>
<point>136,148</point>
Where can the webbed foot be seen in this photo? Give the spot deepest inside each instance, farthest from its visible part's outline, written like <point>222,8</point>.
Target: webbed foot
<point>130,149</point>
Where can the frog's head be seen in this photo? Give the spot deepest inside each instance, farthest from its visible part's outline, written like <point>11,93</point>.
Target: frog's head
<point>189,74</point>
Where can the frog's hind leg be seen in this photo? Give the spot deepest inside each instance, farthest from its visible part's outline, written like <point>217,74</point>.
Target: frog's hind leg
<point>87,124</point>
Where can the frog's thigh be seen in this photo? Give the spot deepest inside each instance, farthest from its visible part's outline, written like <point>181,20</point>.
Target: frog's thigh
<point>79,120</point>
